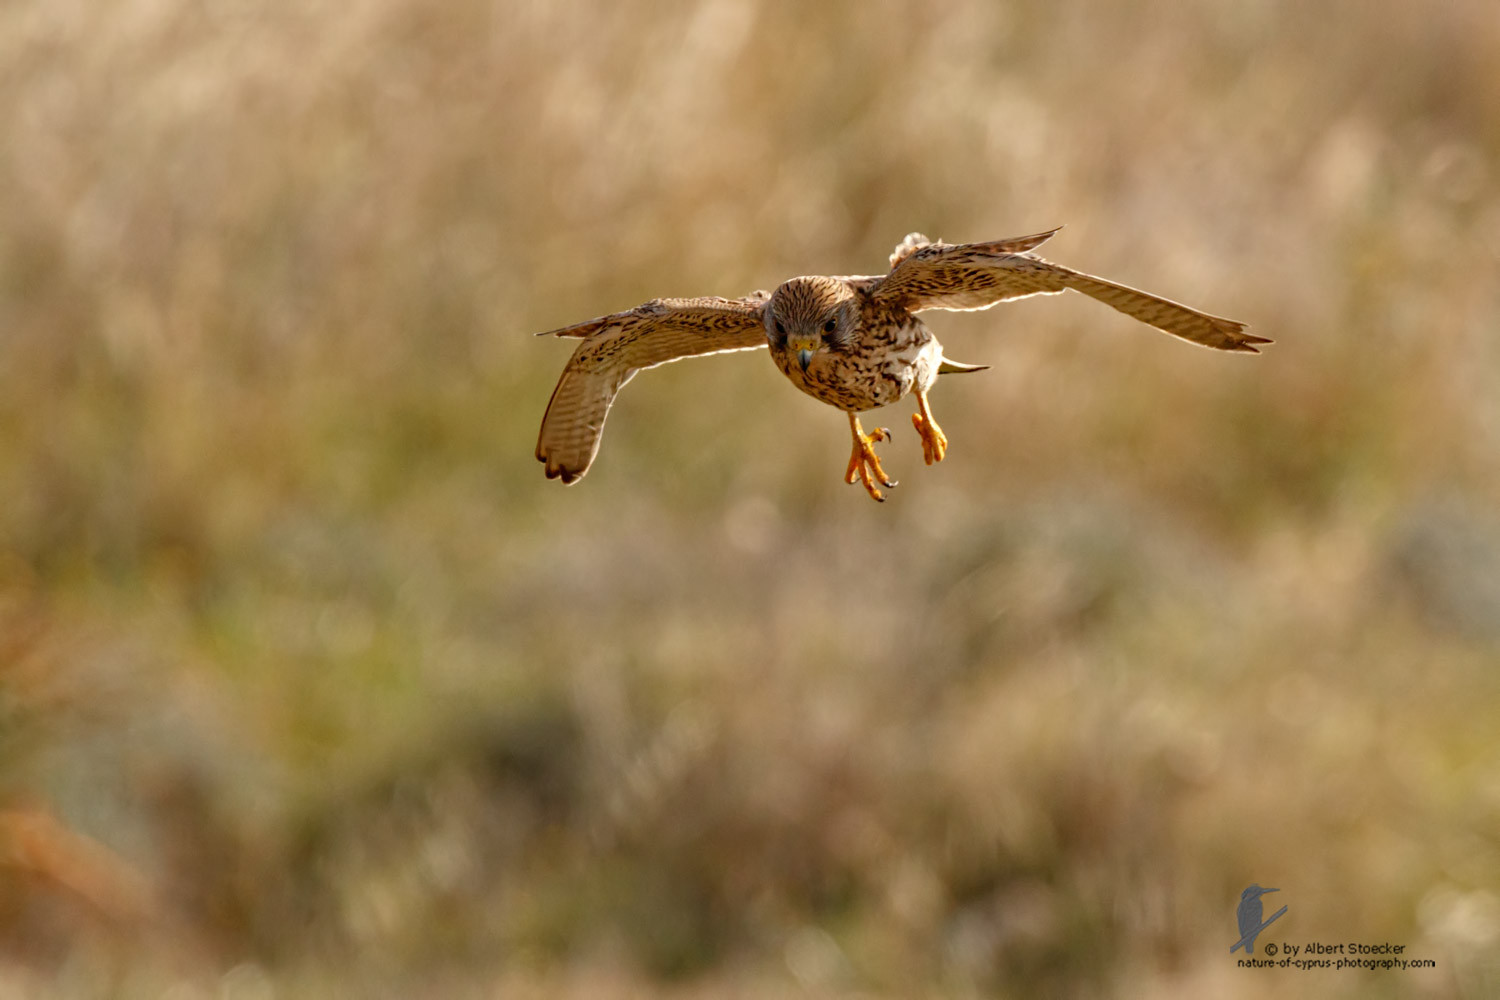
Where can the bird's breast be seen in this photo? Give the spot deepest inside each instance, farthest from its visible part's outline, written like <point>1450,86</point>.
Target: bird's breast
<point>878,368</point>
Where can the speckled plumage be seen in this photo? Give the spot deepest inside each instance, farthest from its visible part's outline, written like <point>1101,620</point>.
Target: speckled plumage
<point>852,342</point>
<point>876,353</point>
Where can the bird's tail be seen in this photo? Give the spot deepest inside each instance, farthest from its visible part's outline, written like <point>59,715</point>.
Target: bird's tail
<point>954,367</point>
<point>1171,317</point>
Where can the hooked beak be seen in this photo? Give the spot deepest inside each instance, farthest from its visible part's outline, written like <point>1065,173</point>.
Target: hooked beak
<point>805,349</point>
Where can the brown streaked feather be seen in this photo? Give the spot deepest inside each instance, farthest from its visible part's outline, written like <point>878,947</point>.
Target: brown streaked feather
<point>1016,244</point>
<point>1170,317</point>
<point>967,275</point>
<point>979,275</point>
<point>617,346</point>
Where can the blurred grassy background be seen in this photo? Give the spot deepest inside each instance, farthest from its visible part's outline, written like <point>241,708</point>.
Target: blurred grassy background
<point>311,685</point>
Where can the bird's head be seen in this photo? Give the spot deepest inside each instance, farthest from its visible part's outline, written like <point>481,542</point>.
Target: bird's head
<point>807,316</point>
<point>1255,892</point>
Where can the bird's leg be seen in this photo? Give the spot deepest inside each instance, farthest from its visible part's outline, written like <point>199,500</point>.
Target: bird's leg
<point>863,463</point>
<point>934,441</point>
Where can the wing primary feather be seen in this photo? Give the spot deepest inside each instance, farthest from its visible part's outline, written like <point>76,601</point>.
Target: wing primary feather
<point>971,276</point>
<point>1170,317</point>
<point>1018,244</point>
<point>613,348</point>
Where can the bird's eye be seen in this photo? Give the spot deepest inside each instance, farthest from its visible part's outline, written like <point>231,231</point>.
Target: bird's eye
<point>829,326</point>
<point>780,329</point>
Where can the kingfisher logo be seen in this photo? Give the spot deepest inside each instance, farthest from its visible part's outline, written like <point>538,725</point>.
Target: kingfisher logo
<point>1249,917</point>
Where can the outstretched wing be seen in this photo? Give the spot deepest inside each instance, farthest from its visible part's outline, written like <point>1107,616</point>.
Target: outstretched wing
<point>926,275</point>
<point>615,347</point>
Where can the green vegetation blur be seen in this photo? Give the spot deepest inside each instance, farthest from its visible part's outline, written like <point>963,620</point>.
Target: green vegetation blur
<point>312,685</point>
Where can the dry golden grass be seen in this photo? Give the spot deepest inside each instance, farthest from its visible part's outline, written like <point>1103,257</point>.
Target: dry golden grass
<point>311,685</point>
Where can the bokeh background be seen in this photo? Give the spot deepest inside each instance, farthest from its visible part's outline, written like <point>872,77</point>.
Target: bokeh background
<point>311,685</point>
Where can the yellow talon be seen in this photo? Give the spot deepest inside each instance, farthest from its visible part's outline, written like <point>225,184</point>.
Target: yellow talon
<point>864,464</point>
<point>934,441</point>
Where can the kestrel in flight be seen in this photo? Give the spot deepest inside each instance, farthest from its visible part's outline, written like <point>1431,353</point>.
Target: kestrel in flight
<point>852,342</point>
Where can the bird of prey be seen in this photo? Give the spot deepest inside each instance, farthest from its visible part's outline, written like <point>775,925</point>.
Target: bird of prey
<point>853,342</point>
<point>1247,916</point>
